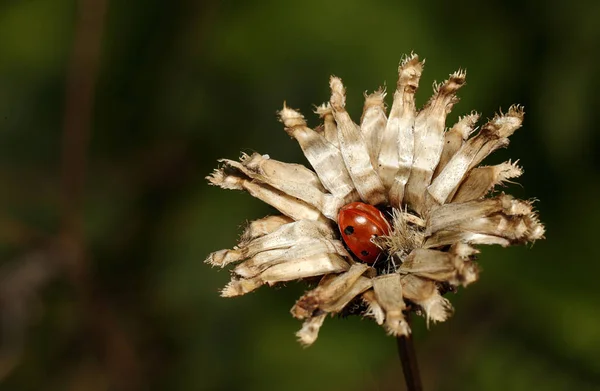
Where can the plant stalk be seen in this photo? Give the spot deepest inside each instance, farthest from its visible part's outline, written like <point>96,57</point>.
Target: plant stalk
<point>408,359</point>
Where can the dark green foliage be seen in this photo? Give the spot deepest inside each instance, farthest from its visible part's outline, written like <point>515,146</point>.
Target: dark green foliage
<point>182,83</point>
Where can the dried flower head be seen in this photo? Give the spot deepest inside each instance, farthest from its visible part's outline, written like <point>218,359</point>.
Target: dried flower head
<point>389,216</point>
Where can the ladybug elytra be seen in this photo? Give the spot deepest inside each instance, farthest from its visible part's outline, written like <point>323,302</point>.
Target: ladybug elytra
<point>359,223</point>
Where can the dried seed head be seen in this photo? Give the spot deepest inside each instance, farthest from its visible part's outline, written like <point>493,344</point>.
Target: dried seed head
<point>426,180</point>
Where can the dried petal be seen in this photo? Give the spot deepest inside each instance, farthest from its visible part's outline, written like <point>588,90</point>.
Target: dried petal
<point>425,294</point>
<point>481,180</point>
<point>372,123</point>
<point>354,149</point>
<point>230,178</point>
<point>374,310</point>
<point>294,180</point>
<point>445,238</point>
<point>284,237</point>
<point>261,227</point>
<point>262,261</point>
<point>309,332</point>
<point>296,269</point>
<point>498,130</point>
<point>453,214</point>
<point>440,266</point>
<point>322,155</point>
<point>329,126</point>
<point>516,229</point>
<point>361,285</point>
<point>329,290</point>
<point>492,136</point>
<point>277,171</point>
<point>315,265</point>
<point>303,249</point>
<point>396,155</point>
<point>455,138</point>
<point>388,293</point>
<point>429,138</point>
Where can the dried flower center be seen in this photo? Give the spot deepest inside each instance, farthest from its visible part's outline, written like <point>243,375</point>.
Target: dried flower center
<point>407,234</point>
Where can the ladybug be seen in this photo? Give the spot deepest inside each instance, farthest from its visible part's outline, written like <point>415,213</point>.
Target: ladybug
<point>359,223</point>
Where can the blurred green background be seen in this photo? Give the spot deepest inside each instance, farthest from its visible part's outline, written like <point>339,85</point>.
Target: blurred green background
<point>109,291</point>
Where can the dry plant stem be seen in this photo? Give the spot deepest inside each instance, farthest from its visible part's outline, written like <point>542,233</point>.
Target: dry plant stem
<point>408,359</point>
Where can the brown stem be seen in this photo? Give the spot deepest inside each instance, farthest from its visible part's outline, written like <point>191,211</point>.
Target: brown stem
<point>410,367</point>
<point>79,101</point>
<point>112,345</point>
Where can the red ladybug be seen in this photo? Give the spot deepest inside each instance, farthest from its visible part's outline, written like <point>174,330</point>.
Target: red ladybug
<point>359,222</point>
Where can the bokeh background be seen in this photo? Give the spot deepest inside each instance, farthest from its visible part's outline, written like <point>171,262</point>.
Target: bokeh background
<point>113,112</point>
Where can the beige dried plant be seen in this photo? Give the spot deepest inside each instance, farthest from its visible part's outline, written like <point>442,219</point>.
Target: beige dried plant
<point>424,180</point>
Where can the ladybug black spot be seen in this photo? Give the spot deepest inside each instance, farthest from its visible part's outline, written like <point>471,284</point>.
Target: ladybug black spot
<point>364,253</point>
<point>349,230</point>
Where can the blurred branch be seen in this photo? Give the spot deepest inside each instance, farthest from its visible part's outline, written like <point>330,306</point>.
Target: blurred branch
<point>113,346</point>
<point>66,254</point>
<point>22,279</point>
<point>82,73</point>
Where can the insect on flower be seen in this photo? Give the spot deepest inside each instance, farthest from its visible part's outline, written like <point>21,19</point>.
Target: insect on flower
<point>359,224</point>
<point>391,213</point>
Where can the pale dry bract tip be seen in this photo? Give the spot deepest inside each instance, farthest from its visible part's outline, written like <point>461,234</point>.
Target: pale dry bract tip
<point>291,117</point>
<point>437,201</point>
<point>376,98</point>
<point>373,310</point>
<point>410,60</point>
<point>309,332</point>
<point>437,309</point>
<point>338,93</point>
<point>323,109</point>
